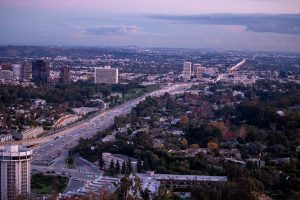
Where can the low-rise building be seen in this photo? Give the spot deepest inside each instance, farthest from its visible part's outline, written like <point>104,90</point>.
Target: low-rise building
<point>115,158</point>
<point>106,75</point>
<point>84,110</point>
<point>29,134</point>
<point>153,182</point>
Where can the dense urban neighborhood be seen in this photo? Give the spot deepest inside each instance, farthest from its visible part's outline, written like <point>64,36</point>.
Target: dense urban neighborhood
<point>150,123</point>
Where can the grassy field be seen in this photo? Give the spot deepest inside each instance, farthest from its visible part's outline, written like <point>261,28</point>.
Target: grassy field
<point>42,184</point>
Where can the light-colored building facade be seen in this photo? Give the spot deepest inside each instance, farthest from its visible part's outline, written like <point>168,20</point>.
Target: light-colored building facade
<point>27,71</point>
<point>199,71</point>
<point>106,75</point>
<point>195,69</point>
<point>187,71</point>
<point>29,134</point>
<point>153,182</point>
<point>108,157</point>
<point>15,171</point>
<point>17,72</point>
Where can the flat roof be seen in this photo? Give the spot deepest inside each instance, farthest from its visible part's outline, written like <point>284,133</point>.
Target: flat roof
<point>123,157</point>
<point>161,177</point>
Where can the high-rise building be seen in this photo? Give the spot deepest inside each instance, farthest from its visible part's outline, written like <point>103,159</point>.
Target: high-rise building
<point>195,69</point>
<point>187,71</point>
<point>64,74</point>
<point>199,71</point>
<point>40,71</point>
<point>15,171</point>
<point>17,72</point>
<point>27,71</point>
<point>106,75</point>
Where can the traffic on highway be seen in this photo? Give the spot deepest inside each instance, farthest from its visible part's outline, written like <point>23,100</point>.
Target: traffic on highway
<point>62,141</point>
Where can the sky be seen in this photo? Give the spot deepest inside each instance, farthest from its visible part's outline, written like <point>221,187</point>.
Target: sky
<point>272,25</point>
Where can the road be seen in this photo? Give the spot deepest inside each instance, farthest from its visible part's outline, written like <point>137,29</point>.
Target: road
<point>71,173</point>
<point>237,66</point>
<point>50,153</point>
<point>58,144</point>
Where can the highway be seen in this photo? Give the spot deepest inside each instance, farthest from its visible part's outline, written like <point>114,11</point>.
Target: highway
<point>52,147</point>
<point>237,66</point>
<point>50,153</point>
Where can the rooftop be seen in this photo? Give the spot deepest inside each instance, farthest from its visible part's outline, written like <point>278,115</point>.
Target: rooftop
<point>123,157</point>
<point>161,177</point>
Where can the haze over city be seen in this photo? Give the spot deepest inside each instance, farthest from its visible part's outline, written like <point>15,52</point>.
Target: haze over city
<point>149,100</point>
<point>229,24</point>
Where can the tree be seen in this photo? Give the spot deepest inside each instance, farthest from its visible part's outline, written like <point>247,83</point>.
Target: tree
<point>101,162</point>
<point>212,145</point>
<point>69,160</point>
<point>111,168</point>
<point>124,187</point>
<point>146,194</point>
<point>129,169</point>
<point>143,139</point>
<point>117,169</point>
<point>139,165</point>
<point>146,164</point>
<point>184,120</point>
<point>183,143</point>
<point>123,169</point>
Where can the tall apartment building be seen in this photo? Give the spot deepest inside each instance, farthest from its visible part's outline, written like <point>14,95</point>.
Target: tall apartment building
<point>106,75</point>
<point>15,171</point>
<point>64,74</point>
<point>187,71</point>
<point>40,71</point>
<point>27,71</point>
<point>199,71</point>
<point>195,69</point>
<point>17,72</point>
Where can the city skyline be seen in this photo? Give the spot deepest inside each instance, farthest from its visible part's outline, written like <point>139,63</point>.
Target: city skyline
<point>272,25</point>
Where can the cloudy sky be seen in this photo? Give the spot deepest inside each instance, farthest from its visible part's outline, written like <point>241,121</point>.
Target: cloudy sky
<point>222,24</point>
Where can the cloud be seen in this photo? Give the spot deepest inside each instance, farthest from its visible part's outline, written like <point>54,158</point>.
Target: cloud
<point>112,30</point>
<point>284,23</point>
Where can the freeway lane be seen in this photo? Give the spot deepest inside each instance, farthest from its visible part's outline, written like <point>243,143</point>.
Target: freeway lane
<point>58,144</point>
<point>44,153</point>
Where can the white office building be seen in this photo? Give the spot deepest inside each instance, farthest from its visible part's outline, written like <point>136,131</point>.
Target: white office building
<point>187,71</point>
<point>106,75</point>
<point>15,171</point>
<point>17,72</point>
